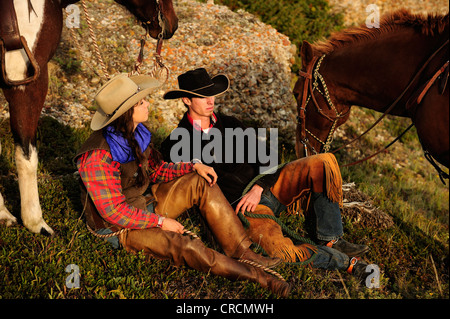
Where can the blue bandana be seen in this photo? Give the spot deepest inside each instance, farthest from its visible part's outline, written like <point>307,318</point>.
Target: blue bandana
<point>120,150</point>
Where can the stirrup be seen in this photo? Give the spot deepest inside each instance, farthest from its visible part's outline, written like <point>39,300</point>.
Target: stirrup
<point>34,65</point>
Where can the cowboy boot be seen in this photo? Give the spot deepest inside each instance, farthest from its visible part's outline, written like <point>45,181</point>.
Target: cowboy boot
<point>268,234</point>
<point>351,250</point>
<point>358,268</point>
<point>184,250</point>
<point>177,196</point>
<point>276,286</point>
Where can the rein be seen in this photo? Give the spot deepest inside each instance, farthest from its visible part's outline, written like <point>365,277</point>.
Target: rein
<point>308,85</point>
<point>94,40</point>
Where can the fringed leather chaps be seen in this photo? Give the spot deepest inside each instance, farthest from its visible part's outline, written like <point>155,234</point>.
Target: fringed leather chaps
<point>319,174</point>
<point>177,196</point>
<point>269,235</point>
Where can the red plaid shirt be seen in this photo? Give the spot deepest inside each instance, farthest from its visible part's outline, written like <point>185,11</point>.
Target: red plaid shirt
<point>101,176</point>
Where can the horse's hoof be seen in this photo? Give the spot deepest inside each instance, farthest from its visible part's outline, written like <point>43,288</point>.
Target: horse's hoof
<point>40,228</point>
<point>8,222</point>
<point>7,219</point>
<point>47,233</point>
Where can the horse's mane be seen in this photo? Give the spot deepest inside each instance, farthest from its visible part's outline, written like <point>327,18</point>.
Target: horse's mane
<point>427,24</point>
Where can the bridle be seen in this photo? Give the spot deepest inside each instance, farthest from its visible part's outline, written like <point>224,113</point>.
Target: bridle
<point>158,69</point>
<point>159,66</point>
<point>161,18</point>
<point>312,79</point>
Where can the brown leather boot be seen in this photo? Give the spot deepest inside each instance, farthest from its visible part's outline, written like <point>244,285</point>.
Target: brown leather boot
<point>177,196</point>
<point>248,254</point>
<point>184,250</point>
<point>276,286</point>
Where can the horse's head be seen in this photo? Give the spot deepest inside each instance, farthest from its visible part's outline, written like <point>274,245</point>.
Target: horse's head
<point>156,16</point>
<point>301,92</point>
<point>319,112</point>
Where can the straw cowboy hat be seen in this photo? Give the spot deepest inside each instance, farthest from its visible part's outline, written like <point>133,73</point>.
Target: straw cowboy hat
<point>198,83</point>
<point>118,95</point>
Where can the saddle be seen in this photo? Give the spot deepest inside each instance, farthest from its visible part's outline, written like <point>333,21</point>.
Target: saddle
<point>11,40</point>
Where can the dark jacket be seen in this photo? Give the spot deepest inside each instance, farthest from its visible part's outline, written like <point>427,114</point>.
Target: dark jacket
<point>234,177</point>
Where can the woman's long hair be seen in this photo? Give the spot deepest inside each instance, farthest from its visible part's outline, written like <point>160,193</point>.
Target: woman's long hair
<point>125,125</point>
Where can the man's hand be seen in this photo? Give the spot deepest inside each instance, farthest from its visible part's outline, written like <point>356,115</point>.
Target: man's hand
<point>250,200</point>
<point>207,172</point>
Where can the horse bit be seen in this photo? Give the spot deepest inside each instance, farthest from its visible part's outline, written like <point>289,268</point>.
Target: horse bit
<point>158,64</point>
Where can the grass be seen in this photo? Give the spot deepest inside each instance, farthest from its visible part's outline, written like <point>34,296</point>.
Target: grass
<point>33,266</point>
<point>402,180</point>
<point>412,254</point>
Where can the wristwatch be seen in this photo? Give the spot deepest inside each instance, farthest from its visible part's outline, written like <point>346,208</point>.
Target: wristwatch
<point>160,221</point>
<point>196,161</point>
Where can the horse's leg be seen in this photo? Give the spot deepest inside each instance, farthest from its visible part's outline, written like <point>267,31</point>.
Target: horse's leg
<point>432,124</point>
<point>42,29</point>
<point>25,105</point>
<point>5,215</point>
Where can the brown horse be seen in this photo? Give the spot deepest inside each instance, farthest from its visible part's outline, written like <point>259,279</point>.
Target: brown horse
<point>400,68</point>
<point>25,83</point>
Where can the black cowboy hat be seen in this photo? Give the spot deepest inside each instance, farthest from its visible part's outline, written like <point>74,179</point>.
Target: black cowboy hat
<point>198,83</point>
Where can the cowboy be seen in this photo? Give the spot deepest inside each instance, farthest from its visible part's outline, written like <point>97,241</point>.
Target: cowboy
<point>118,165</point>
<point>315,179</point>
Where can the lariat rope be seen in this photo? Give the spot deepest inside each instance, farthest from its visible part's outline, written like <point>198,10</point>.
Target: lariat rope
<point>94,40</point>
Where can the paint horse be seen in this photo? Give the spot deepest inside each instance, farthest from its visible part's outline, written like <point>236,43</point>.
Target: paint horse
<point>400,68</point>
<point>30,31</point>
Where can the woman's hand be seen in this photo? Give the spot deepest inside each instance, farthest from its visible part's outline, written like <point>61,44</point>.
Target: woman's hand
<point>250,200</point>
<point>207,172</point>
<point>171,224</point>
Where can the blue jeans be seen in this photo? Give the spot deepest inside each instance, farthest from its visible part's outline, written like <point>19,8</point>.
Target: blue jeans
<point>328,227</point>
<point>328,218</point>
<point>328,223</point>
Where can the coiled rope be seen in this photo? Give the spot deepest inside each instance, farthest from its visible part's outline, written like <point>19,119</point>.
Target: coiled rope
<point>106,236</point>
